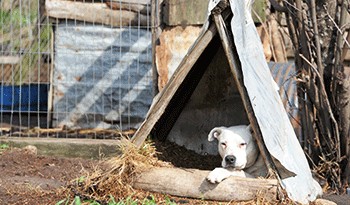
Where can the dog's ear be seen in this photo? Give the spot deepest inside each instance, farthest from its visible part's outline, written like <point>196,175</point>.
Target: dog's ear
<point>249,128</point>
<point>214,133</point>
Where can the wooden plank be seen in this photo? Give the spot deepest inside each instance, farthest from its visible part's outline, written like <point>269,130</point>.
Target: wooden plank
<point>162,101</point>
<point>133,1</point>
<point>94,12</point>
<point>156,30</point>
<point>142,7</point>
<point>236,70</point>
<point>192,183</point>
<point>51,90</point>
<point>9,59</point>
<point>184,13</point>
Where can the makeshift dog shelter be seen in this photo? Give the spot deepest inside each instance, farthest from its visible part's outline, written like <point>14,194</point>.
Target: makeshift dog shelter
<point>259,94</point>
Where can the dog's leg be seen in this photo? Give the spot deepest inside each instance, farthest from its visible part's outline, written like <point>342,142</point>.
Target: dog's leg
<point>219,174</point>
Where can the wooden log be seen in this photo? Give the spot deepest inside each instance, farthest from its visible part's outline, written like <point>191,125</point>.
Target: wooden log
<point>143,8</point>
<point>192,183</point>
<point>94,12</point>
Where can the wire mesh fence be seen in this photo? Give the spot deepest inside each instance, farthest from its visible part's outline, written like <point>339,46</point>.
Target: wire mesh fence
<point>74,65</point>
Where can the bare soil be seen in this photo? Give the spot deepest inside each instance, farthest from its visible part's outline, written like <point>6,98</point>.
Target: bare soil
<point>27,178</point>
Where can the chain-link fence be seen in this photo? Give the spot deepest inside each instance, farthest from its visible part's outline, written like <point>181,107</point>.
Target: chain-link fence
<point>74,64</point>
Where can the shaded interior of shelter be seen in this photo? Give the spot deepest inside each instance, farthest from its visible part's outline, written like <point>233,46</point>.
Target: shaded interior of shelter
<point>207,98</point>
<point>179,156</point>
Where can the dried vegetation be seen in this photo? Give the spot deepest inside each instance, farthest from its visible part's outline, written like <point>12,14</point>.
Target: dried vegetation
<point>115,177</point>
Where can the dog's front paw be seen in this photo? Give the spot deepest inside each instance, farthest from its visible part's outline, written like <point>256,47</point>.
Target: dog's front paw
<point>217,175</point>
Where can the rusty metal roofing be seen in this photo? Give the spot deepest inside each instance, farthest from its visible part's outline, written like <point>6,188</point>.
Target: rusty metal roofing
<point>285,76</point>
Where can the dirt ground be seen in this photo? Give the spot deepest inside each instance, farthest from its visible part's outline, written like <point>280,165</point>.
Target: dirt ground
<point>27,178</point>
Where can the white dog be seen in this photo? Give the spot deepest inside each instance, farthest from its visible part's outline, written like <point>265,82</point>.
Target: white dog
<point>238,151</point>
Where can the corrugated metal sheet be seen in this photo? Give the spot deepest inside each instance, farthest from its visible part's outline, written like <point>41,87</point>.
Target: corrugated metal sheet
<point>284,74</point>
<point>102,76</point>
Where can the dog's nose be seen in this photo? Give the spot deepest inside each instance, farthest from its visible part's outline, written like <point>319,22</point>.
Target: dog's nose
<point>230,159</point>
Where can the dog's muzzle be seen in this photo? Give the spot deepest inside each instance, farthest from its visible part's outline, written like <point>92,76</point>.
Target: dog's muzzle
<point>230,160</point>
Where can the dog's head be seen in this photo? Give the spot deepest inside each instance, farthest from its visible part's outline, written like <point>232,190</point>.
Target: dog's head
<point>236,146</point>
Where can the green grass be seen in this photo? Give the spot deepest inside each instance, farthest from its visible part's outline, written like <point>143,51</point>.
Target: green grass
<point>128,201</point>
<point>17,18</point>
<point>4,147</point>
<point>16,26</point>
<point>21,35</point>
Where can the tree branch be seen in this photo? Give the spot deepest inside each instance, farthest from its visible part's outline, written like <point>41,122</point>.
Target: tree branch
<point>328,106</point>
<point>317,38</point>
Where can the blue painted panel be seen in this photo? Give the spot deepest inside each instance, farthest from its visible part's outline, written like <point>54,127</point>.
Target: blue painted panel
<point>31,97</point>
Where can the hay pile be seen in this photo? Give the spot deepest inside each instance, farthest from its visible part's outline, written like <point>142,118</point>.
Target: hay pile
<point>115,176</point>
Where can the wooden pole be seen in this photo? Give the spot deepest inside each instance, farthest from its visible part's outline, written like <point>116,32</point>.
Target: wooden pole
<point>156,30</point>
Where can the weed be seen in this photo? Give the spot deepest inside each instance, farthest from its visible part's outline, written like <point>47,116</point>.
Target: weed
<point>128,201</point>
<point>63,202</point>
<point>81,180</point>
<point>4,147</point>
<point>77,200</point>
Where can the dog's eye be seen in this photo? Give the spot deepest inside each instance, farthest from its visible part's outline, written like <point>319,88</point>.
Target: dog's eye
<point>223,144</point>
<point>242,144</point>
